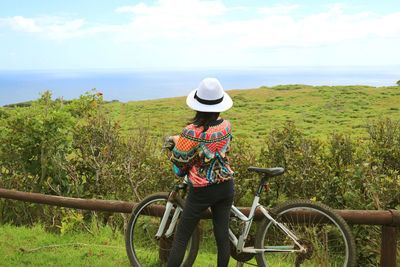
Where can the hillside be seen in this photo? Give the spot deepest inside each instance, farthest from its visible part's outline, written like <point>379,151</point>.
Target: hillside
<point>73,150</point>
<point>317,110</point>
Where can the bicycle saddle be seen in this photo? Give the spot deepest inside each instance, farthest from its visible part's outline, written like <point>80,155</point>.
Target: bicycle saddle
<point>268,171</point>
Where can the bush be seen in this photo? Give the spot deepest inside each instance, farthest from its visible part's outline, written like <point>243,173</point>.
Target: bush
<point>29,138</point>
<point>242,156</point>
<point>302,159</point>
<point>73,149</point>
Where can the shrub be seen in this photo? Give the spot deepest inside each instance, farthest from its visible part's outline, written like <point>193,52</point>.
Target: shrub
<point>242,156</point>
<point>300,156</point>
<point>29,139</point>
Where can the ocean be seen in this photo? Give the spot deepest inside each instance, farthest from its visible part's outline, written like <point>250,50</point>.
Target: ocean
<point>130,85</point>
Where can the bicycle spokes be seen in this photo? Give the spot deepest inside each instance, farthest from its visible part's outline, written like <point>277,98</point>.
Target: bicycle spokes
<point>323,237</point>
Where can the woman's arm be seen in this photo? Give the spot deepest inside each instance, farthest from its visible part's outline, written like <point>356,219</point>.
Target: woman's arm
<point>183,154</point>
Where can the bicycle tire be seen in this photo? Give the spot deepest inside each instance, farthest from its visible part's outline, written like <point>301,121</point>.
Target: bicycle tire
<point>142,247</point>
<point>325,234</point>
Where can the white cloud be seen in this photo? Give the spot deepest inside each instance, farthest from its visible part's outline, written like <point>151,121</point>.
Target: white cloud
<point>53,28</point>
<point>169,20</point>
<point>278,10</point>
<point>180,8</point>
<point>139,8</point>
<point>275,26</point>
<point>209,23</point>
<point>240,8</point>
<point>324,28</point>
<point>19,23</point>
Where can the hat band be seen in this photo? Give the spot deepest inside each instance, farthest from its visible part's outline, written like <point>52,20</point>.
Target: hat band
<point>208,102</point>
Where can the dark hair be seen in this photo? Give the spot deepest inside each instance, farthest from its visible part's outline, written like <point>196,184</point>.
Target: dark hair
<point>204,119</point>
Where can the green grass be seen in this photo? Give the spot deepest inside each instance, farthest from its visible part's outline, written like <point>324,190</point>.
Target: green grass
<point>316,110</point>
<point>102,249</point>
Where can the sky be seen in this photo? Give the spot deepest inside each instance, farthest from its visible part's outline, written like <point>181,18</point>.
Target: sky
<point>191,34</point>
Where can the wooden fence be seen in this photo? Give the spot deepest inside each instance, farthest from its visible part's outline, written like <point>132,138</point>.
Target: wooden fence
<point>388,219</point>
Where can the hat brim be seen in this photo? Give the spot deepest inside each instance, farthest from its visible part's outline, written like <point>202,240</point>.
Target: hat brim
<point>220,107</point>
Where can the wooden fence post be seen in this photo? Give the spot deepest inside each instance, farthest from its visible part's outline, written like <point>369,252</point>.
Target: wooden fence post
<point>388,246</point>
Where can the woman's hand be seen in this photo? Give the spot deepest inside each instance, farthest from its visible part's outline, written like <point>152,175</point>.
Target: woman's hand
<point>174,138</point>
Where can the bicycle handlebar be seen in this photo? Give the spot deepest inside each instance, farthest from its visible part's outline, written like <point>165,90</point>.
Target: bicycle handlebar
<point>168,143</point>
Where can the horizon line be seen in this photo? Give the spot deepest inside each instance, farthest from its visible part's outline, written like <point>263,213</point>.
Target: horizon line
<point>167,69</point>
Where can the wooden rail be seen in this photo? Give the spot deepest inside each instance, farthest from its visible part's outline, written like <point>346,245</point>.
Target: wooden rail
<point>388,219</point>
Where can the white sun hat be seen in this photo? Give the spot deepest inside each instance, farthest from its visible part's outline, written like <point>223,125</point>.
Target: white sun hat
<point>209,97</point>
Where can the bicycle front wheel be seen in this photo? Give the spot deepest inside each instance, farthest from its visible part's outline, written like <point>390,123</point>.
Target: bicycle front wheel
<point>325,235</point>
<point>142,246</point>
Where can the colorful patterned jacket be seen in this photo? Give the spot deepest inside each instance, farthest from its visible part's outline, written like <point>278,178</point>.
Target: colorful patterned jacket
<point>204,156</point>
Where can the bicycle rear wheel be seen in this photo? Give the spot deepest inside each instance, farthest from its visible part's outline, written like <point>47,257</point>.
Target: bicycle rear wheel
<point>142,246</point>
<point>325,235</point>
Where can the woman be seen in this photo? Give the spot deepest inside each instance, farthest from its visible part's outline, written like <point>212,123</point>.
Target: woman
<point>201,153</point>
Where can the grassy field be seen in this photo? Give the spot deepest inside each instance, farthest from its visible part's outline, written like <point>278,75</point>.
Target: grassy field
<point>25,246</point>
<point>76,248</point>
<point>317,110</point>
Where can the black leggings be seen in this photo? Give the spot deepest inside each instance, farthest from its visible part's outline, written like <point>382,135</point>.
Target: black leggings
<point>219,197</point>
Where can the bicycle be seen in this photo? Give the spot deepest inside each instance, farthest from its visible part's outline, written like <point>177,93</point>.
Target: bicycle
<point>297,231</point>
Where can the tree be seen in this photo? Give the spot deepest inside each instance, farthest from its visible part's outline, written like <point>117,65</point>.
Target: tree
<point>398,82</point>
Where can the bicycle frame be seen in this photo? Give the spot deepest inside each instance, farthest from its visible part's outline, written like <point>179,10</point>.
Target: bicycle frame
<point>166,215</point>
<point>239,242</point>
<point>297,244</point>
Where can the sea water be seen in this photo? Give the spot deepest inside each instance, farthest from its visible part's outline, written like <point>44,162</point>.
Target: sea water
<point>129,85</point>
